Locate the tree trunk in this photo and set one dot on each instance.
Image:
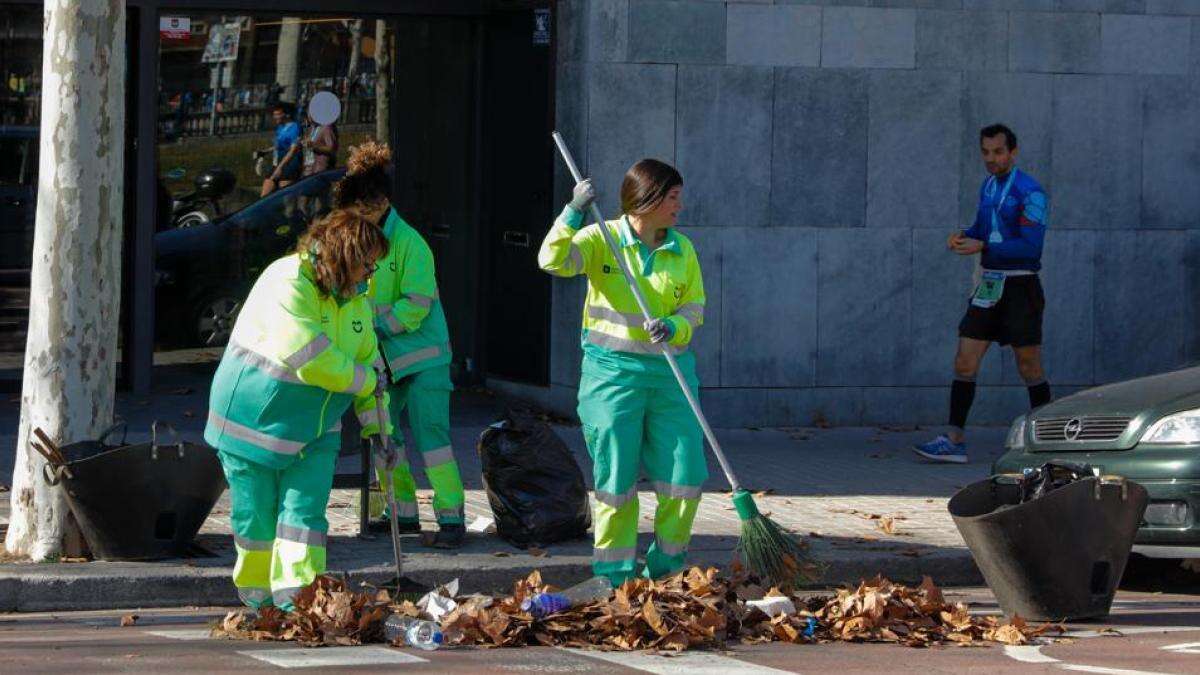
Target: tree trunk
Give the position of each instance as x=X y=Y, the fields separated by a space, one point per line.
x=383 y=80
x=287 y=59
x=356 y=35
x=70 y=355
x=249 y=44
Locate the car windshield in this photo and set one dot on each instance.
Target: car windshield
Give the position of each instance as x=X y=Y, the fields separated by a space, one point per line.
x=295 y=205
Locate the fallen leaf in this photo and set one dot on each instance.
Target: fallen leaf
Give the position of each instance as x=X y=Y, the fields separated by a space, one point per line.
x=501 y=554
x=128 y=620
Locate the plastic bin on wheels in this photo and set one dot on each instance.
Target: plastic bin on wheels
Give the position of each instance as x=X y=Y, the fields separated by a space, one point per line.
x=1057 y=557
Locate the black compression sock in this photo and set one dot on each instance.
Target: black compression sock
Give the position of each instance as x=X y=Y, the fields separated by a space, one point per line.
x=1039 y=394
x=962 y=395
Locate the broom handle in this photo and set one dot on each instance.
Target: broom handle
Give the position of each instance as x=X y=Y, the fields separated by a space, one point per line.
x=641 y=301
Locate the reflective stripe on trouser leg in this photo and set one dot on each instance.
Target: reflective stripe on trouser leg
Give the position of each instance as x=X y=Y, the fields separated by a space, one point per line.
x=253 y=508
x=403 y=486
x=405 y=490
x=300 y=533
x=428 y=402
x=674 y=459
x=615 y=552
x=672 y=531
x=612 y=417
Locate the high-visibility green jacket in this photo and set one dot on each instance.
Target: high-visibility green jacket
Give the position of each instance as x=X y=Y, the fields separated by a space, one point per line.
x=296 y=361
x=614 y=341
x=408 y=311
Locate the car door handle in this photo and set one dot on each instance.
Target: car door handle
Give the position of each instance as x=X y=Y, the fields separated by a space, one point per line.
x=516 y=238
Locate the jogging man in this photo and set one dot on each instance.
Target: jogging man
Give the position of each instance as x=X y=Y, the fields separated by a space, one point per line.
x=1006 y=306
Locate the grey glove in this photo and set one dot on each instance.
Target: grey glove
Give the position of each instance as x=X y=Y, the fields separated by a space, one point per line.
x=386 y=455
x=659 y=330
x=583 y=195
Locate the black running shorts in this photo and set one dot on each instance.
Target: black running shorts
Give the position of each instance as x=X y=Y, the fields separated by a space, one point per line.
x=1015 y=319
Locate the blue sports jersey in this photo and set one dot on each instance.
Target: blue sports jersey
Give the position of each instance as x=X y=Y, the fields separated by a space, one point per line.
x=287 y=135
x=1014 y=232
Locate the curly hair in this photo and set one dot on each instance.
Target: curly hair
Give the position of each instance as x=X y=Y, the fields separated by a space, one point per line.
x=366 y=178
x=339 y=244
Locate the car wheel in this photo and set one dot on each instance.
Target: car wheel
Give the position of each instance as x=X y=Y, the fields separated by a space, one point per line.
x=192 y=219
x=214 y=320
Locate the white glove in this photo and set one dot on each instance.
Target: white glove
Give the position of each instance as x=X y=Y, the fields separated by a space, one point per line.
x=659 y=330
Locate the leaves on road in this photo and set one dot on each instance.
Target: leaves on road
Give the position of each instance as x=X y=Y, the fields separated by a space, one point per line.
x=696 y=608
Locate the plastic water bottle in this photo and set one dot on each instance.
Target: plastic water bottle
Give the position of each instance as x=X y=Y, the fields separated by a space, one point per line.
x=418 y=633
x=543 y=604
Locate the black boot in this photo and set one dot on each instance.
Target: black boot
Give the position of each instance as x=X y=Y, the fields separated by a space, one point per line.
x=450 y=536
x=384 y=526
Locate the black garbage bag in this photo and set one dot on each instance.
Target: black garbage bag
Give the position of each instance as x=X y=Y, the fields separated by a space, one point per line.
x=1051 y=476
x=533 y=483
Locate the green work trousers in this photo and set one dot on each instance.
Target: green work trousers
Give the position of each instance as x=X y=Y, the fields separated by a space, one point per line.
x=632 y=429
x=425 y=396
x=279 y=526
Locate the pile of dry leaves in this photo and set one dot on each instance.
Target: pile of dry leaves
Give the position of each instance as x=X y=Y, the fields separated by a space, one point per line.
x=684 y=611
x=697 y=608
x=881 y=611
x=327 y=613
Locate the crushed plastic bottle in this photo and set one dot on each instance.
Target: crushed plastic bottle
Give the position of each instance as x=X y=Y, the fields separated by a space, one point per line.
x=418 y=633
x=545 y=604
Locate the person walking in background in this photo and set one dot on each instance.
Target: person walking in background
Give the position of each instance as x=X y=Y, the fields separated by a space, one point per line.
x=286 y=150
x=1007 y=304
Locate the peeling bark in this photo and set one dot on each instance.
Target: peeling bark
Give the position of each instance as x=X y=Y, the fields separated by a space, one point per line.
x=383 y=80
x=70 y=364
x=287 y=59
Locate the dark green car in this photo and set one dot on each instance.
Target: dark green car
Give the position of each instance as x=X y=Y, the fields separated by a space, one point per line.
x=1147 y=430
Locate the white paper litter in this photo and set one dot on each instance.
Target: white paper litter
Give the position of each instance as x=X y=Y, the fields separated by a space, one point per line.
x=440 y=601
x=773 y=606
x=482 y=524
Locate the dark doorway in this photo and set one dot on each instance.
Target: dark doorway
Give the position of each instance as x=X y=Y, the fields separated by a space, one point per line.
x=518 y=176
x=434 y=141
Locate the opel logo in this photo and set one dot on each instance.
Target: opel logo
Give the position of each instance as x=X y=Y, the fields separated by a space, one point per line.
x=1071 y=431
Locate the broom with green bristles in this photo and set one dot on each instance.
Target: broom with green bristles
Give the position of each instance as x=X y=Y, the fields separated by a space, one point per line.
x=768 y=550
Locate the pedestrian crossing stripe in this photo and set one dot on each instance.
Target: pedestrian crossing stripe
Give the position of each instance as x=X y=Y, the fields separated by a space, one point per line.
x=686 y=663
x=332 y=657
x=182 y=633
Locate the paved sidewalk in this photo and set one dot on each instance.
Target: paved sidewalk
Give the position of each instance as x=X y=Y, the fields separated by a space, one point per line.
x=838 y=486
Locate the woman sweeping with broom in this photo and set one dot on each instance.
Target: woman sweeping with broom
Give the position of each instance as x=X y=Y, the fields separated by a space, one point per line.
x=634 y=414
x=640 y=270
x=302 y=351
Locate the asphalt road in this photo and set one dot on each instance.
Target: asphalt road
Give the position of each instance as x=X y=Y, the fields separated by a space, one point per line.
x=1147 y=633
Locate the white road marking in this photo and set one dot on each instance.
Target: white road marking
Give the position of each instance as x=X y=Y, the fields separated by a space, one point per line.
x=332 y=657
x=78 y=637
x=1185 y=648
x=1028 y=654
x=1130 y=630
x=182 y=633
x=687 y=663
x=1108 y=671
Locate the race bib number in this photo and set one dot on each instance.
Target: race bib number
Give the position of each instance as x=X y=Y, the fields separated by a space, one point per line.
x=989 y=290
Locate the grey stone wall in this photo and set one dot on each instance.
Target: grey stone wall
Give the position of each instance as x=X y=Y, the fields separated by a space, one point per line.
x=828 y=147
